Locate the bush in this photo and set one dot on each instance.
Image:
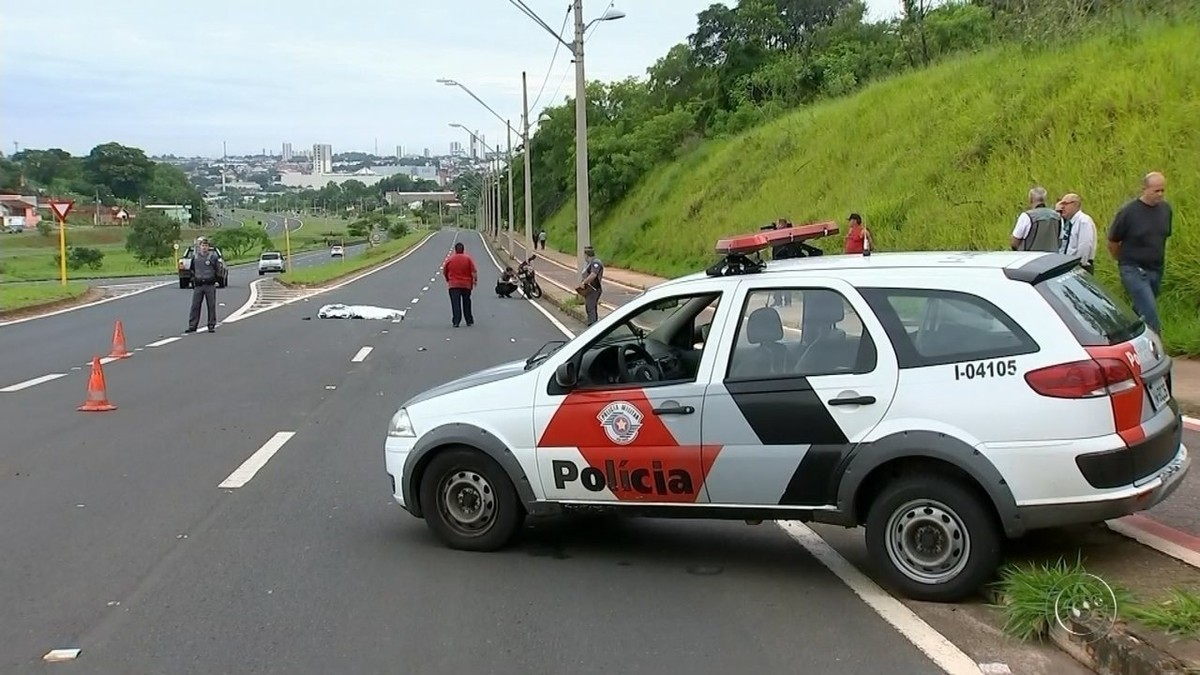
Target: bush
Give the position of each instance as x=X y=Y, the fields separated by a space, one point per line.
x=80 y=257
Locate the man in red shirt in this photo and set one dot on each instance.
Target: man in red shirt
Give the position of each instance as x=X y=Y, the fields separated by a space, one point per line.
x=857 y=235
x=461 y=277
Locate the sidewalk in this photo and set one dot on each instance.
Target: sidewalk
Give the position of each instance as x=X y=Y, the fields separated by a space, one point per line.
x=1172 y=527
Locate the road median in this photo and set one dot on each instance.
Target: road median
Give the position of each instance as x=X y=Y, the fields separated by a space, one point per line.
x=22 y=300
x=319 y=276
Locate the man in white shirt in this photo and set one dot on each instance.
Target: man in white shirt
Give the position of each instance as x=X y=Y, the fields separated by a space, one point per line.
x=1078 y=232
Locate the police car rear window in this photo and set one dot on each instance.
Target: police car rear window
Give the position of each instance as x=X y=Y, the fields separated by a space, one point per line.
x=1090 y=312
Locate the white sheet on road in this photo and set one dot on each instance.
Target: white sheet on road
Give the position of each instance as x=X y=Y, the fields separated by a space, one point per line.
x=339 y=311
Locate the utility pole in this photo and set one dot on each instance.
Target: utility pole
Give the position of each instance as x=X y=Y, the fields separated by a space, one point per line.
x=528 y=175
x=582 y=221
x=511 y=217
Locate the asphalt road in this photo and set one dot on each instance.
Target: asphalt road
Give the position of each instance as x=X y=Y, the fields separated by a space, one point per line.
x=118 y=541
x=56 y=344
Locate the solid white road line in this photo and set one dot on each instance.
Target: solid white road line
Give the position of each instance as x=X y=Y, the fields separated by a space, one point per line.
x=244 y=312
x=90 y=304
x=32 y=383
x=924 y=637
x=258 y=460
x=164 y=341
x=536 y=305
x=361 y=355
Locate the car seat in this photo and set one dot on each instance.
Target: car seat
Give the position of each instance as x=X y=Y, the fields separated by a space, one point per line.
x=829 y=349
x=769 y=356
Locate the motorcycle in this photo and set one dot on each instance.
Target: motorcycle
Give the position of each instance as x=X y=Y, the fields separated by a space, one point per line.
x=528 y=279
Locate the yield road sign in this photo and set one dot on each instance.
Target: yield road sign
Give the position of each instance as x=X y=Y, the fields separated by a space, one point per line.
x=61 y=209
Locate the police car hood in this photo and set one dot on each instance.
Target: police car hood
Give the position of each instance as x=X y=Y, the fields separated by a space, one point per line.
x=503 y=371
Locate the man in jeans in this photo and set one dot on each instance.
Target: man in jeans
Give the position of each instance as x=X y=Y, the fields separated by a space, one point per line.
x=461 y=276
x=205 y=266
x=1137 y=239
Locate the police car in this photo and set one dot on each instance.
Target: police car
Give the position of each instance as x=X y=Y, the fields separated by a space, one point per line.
x=945 y=401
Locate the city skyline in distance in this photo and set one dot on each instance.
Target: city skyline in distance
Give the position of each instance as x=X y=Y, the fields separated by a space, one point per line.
x=261 y=80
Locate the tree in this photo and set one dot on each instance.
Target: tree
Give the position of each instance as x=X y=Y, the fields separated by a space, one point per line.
x=126 y=171
x=151 y=237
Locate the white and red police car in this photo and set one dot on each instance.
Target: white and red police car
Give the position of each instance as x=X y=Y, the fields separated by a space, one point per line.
x=945 y=401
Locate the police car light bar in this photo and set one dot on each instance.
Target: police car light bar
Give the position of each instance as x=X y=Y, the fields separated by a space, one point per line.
x=751 y=243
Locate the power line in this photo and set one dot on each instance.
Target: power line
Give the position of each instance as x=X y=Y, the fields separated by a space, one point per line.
x=553 y=58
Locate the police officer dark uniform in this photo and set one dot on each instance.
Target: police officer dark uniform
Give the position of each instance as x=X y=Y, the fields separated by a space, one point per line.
x=206 y=265
x=590 y=284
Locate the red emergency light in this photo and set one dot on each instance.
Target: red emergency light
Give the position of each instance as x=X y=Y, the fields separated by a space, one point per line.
x=744 y=244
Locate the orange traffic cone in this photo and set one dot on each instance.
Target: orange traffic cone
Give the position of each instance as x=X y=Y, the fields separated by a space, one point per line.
x=118 y=348
x=97 y=391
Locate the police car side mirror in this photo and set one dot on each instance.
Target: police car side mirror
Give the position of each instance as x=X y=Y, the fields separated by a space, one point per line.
x=566 y=375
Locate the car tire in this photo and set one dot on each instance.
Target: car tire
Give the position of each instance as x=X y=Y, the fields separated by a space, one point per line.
x=944 y=509
x=260 y=273
x=477 y=480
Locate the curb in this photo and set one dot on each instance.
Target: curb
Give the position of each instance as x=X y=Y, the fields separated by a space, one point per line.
x=1119 y=649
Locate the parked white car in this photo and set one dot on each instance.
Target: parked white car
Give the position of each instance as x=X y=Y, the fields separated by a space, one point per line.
x=945 y=401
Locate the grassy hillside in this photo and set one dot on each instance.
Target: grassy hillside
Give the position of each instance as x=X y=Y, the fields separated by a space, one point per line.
x=943 y=159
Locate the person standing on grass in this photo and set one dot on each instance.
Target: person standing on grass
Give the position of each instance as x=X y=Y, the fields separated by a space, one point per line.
x=1137 y=239
x=1038 y=228
x=1079 y=232
x=858 y=236
x=461 y=276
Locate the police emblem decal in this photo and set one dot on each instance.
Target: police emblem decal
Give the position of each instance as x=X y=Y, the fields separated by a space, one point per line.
x=621 y=421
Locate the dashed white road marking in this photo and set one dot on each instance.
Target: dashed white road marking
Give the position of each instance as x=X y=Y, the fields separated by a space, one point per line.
x=924 y=637
x=258 y=460
x=361 y=355
x=164 y=341
x=415 y=300
x=32 y=383
x=424 y=288
x=58 y=655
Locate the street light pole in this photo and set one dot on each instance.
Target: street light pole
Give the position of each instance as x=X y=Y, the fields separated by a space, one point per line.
x=528 y=177
x=583 y=224
x=510 y=186
x=499 y=207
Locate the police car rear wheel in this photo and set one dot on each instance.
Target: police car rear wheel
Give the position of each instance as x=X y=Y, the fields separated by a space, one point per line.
x=934 y=539
x=469 y=501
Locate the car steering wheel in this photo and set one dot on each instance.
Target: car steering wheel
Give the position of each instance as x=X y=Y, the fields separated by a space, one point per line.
x=645 y=369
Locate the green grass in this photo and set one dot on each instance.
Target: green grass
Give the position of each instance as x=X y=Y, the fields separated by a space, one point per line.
x=1031 y=597
x=22 y=296
x=30 y=256
x=326 y=272
x=943 y=159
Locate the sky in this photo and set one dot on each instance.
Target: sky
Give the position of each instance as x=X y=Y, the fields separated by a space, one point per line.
x=184 y=76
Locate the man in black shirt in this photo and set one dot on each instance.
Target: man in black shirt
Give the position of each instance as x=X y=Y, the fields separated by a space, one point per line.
x=1137 y=239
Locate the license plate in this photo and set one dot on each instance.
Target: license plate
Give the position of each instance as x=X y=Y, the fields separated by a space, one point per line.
x=1158 y=393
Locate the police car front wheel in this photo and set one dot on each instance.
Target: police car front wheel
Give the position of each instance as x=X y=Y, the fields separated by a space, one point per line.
x=933 y=538
x=469 y=501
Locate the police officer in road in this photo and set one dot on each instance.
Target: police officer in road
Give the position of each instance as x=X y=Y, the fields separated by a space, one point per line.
x=206 y=265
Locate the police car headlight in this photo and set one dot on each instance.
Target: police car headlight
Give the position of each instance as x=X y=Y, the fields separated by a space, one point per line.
x=401 y=426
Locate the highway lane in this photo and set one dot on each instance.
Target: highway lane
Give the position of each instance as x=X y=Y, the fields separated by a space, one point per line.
x=56 y=344
x=310 y=567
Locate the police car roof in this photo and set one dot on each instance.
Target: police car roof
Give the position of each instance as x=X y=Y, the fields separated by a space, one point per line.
x=1028 y=266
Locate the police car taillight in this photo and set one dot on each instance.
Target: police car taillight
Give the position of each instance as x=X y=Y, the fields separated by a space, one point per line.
x=1090 y=378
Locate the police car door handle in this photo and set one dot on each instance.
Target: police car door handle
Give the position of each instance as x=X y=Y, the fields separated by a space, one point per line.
x=675 y=410
x=853 y=400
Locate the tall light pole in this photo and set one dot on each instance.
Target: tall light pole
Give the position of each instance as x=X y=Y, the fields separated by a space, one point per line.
x=511 y=217
x=528 y=184
x=583 y=227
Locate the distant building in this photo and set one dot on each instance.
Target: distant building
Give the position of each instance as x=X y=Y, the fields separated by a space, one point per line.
x=19 y=212
x=286 y=155
x=322 y=159
x=399 y=151
x=456 y=149
x=179 y=212
x=394 y=198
